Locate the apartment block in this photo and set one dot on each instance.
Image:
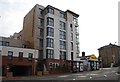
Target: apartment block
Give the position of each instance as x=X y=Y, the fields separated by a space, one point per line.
x=55 y=34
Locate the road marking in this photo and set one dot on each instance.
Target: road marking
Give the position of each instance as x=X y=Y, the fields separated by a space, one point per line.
x=82 y=76
x=64 y=76
x=90 y=77
x=73 y=79
x=105 y=75
x=93 y=74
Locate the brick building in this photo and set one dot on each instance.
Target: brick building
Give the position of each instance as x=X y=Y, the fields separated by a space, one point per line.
x=110 y=54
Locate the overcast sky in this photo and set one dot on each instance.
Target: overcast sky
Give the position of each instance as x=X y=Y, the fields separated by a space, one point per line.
x=98 y=20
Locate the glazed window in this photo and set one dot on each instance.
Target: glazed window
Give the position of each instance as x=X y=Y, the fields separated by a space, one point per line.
x=62 y=14
x=20 y=55
x=50 y=10
x=50 y=21
x=49 y=53
x=62 y=25
x=30 y=56
x=50 y=31
x=10 y=54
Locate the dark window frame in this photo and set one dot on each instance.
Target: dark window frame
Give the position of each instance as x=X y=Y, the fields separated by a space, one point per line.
x=10 y=55
x=30 y=56
x=50 y=21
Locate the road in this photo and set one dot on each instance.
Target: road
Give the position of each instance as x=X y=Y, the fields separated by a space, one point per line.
x=105 y=74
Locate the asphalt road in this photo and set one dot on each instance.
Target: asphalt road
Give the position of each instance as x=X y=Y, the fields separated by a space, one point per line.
x=105 y=74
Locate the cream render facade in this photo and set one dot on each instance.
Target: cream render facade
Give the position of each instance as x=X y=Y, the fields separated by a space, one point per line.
x=15 y=50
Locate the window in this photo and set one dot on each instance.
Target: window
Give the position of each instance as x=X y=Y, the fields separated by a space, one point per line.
x=50 y=21
x=0 y=53
x=62 y=55
x=20 y=55
x=72 y=36
x=50 y=10
x=10 y=54
x=40 y=43
x=40 y=32
x=30 y=56
x=50 y=31
x=40 y=12
x=71 y=55
x=2 y=43
x=71 y=45
x=75 y=19
x=62 y=35
x=62 y=45
x=62 y=14
x=40 y=22
x=50 y=42
x=71 y=27
x=62 y=25
x=49 y=53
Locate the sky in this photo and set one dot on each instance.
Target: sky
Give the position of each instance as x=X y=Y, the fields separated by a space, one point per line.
x=98 y=20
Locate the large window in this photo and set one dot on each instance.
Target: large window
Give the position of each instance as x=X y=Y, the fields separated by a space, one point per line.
x=50 y=42
x=50 y=21
x=50 y=10
x=62 y=45
x=62 y=14
x=40 y=32
x=30 y=56
x=10 y=54
x=49 y=53
x=40 y=43
x=62 y=35
x=62 y=25
x=20 y=55
x=3 y=43
x=50 y=31
x=40 y=21
x=40 y=12
x=62 y=55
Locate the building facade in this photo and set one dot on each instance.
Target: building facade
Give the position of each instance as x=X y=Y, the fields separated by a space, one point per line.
x=55 y=34
x=16 y=59
x=109 y=55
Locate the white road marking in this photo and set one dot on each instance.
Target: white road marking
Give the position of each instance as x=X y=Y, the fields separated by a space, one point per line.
x=92 y=74
x=64 y=76
x=105 y=75
x=73 y=79
x=77 y=74
x=82 y=76
x=90 y=77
